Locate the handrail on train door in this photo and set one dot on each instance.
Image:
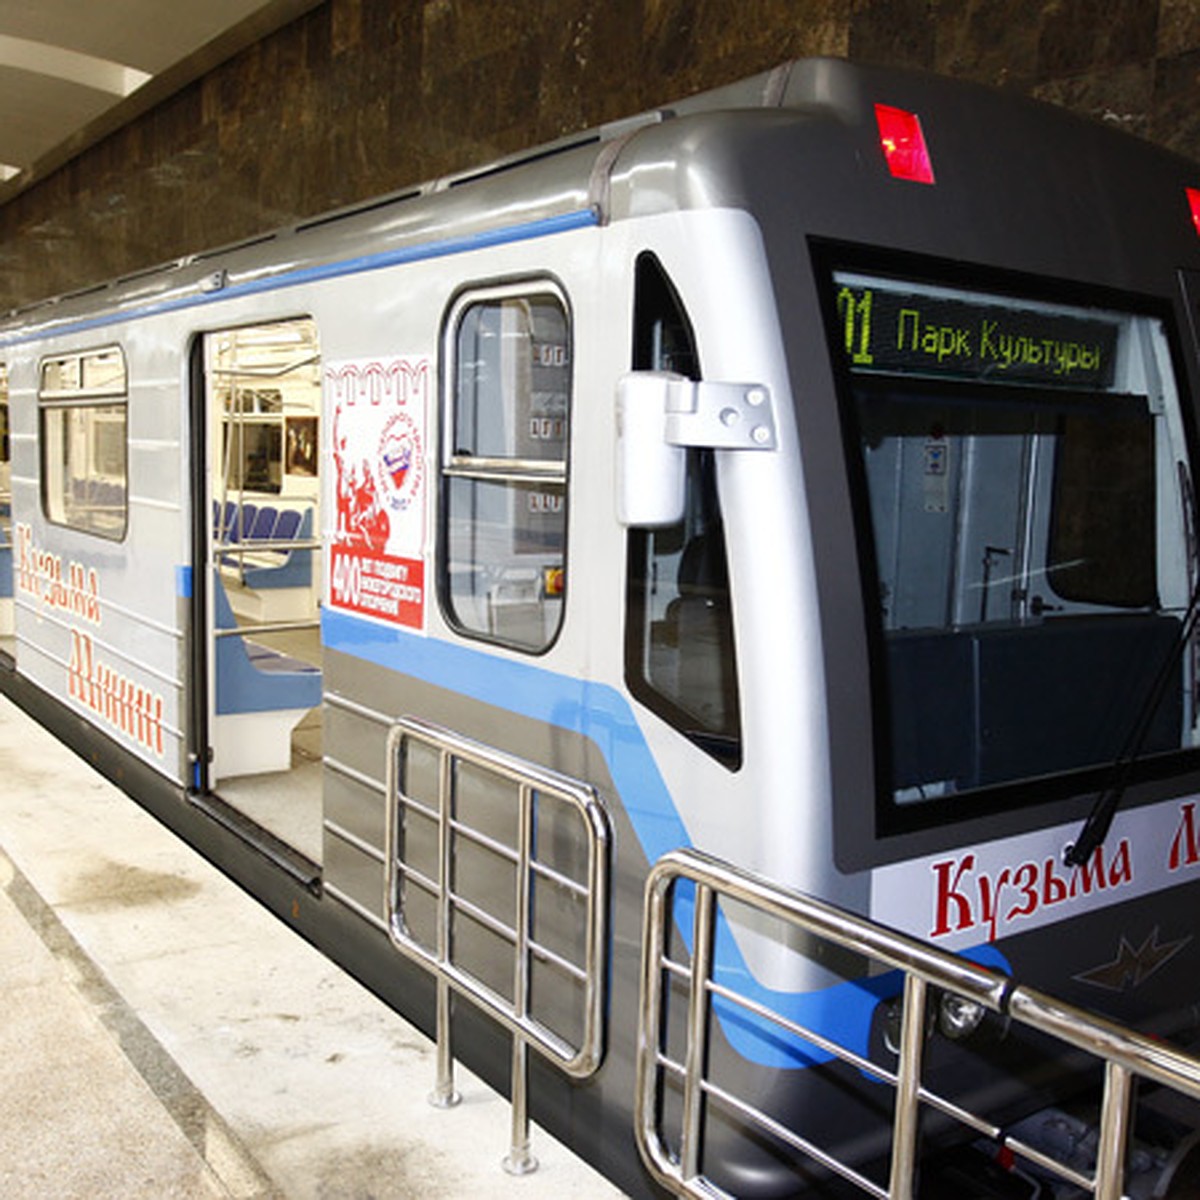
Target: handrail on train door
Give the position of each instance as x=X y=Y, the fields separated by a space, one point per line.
x=1125 y=1054
x=532 y=784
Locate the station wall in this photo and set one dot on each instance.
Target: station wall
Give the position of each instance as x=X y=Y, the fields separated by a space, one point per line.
x=360 y=97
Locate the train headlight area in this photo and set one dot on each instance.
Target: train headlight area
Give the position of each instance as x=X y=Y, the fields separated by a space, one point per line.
x=954 y=1017
x=959 y=1017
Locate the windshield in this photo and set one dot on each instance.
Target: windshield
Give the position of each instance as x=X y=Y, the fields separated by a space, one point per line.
x=1023 y=474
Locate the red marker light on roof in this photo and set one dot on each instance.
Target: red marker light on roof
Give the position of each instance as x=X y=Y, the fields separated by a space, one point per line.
x=904 y=144
x=1193 y=195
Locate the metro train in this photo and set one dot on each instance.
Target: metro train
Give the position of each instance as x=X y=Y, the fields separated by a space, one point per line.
x=800 y=474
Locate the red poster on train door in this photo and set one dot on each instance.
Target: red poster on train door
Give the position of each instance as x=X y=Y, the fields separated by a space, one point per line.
x=378 y=411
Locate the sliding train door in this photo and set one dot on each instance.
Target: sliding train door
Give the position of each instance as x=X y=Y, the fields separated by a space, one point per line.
x=258 y=567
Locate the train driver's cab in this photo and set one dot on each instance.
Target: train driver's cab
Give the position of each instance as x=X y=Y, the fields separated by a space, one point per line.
x=1023 y=485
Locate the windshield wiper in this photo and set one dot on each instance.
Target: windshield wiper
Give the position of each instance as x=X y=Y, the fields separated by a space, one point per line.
x=1099 y=821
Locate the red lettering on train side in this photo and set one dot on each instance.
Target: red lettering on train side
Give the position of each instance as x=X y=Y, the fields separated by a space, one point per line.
x=1185 y=850
x=966 y=898
x=40 y=574
x=948 y=892
x=119 y=702
x=1054 y=889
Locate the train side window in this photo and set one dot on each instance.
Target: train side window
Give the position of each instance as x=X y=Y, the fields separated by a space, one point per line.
x=504 y=465
x=83 y=441
x=680 y=658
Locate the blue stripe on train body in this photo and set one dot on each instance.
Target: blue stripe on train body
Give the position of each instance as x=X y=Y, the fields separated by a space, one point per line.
x=842 y=1013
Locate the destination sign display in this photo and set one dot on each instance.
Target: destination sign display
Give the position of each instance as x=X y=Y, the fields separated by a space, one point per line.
x=888 y=330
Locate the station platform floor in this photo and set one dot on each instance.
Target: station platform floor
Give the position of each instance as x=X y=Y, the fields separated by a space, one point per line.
x=162 y=1035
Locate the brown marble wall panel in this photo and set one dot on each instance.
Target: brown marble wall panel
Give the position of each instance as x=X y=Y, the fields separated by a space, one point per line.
x=899 y=32
x=360 y=97
x=1175 y=111
x=1082 y=35
x=990 y=43
x=1178 y=26
x=1120 y=95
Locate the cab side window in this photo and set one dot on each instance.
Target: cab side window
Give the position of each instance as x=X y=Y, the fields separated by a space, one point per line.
x=504 y=465
x=680 y=659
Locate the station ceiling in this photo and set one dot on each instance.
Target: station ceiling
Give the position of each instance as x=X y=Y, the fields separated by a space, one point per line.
x=72 y=71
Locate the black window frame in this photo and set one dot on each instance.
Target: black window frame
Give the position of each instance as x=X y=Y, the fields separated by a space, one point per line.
x=894 y=822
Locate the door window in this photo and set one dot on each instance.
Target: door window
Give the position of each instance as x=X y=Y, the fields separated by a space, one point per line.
x=505 y=466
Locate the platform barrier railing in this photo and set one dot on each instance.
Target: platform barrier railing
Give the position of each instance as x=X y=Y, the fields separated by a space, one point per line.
x=1125 y=1055
x=420 y=877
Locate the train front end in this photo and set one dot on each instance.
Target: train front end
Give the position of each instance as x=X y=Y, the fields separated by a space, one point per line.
x=986 y=309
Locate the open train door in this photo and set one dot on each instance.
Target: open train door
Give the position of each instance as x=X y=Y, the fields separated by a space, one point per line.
x=257 y=692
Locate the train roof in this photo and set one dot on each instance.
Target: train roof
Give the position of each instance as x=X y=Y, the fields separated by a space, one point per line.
x=637 y=166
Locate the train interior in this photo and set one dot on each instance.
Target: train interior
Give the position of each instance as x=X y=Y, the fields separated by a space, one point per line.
x=263 y=402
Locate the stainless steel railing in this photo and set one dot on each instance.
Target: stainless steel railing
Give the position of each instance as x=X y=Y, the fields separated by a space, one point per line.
x=1125 y=1055
x=504 y=904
